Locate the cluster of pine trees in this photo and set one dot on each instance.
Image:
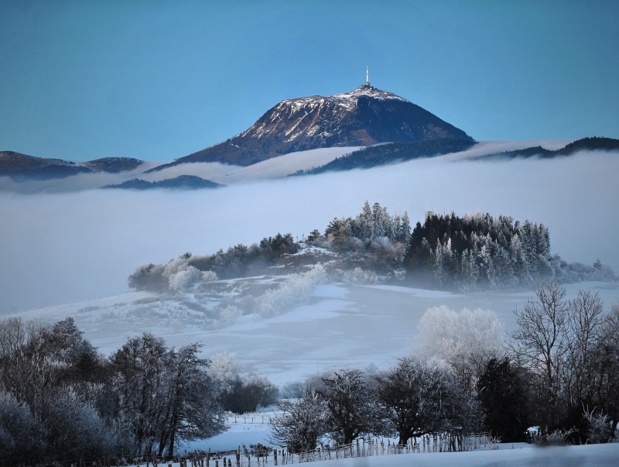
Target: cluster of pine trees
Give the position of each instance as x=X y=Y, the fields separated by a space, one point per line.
x=483 y=252
x=375 y=235
x=478 y=251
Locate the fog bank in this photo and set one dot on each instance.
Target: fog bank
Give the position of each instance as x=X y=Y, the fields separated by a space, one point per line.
x=63 y=247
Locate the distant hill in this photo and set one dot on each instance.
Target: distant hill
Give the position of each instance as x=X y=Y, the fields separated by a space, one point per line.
x=585 y=144
x=22 y=166
x=595 y=143
x=363 y=117
x=383 y=154
x=183 y=182
x=114 y=164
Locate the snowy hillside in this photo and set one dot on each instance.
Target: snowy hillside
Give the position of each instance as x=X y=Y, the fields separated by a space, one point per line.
x=333 y=327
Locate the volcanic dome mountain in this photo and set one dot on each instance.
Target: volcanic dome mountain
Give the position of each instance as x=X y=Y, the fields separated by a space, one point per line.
x=362 y=117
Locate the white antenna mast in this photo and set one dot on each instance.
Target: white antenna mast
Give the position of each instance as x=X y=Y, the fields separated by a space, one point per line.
x=367 y=75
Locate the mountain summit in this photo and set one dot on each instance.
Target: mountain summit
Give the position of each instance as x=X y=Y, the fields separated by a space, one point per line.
x=362 y=117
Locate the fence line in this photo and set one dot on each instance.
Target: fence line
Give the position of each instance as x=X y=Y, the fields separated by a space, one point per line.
x=258 y=455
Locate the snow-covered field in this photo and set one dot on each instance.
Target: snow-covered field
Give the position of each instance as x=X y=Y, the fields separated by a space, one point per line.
x=340 y=326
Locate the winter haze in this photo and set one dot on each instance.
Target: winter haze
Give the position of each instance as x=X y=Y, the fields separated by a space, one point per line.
x=71 y=246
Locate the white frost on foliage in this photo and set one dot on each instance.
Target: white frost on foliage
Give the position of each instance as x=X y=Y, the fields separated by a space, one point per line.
x=295 y=290
x=358 y=276
x=224 y=369
x=182 y=276
x=460 y=335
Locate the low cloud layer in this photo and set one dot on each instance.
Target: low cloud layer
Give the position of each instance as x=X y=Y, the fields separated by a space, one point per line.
x=62 y=247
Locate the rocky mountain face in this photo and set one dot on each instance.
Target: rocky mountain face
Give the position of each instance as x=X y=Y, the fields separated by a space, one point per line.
x=362 y=117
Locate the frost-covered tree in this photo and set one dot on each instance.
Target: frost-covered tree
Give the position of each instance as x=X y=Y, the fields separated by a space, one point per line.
x=139 y=382
x=224 y=370
x=351 y=407
x=464 y=339
x=163 y=395
x=419 y=399
x=13 y=334
x=191 y=408
x=178 y=275
x=585 y=319
x=300 y=423
x=374 y=231
x=22 y=437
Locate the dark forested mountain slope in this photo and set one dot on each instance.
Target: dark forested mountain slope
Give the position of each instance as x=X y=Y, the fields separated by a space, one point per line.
x=383 y=154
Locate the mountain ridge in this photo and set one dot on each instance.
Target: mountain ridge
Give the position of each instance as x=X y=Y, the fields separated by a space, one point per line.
x=22 y=166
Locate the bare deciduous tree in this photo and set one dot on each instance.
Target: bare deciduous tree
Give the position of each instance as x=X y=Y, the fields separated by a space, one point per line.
x=540 y=343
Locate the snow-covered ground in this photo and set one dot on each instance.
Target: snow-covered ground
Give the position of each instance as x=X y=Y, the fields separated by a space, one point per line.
x=253 y=428
x=572 y=456
x=340 y=326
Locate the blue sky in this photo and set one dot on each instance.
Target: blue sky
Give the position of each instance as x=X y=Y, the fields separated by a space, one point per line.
x=158 y=80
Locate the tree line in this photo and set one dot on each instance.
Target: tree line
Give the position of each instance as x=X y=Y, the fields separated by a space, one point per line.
x=483 y=252
x=472 y=252
x=61 y=401
x=555 y=380
x=410 y=400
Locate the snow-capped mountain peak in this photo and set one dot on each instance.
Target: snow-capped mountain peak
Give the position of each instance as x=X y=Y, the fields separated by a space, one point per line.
x=364 y=116
x=366 y=90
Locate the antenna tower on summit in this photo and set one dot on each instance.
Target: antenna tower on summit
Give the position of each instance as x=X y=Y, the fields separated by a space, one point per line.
x=367 y=75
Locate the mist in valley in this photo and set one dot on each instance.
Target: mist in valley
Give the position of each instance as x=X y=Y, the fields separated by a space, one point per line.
x=66 y=247
x=75 y=247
